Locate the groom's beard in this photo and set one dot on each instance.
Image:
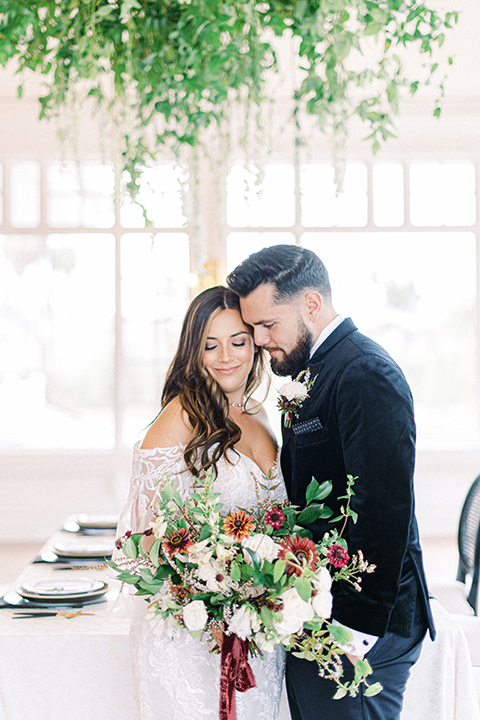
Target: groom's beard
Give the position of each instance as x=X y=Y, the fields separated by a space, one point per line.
x=296 y=360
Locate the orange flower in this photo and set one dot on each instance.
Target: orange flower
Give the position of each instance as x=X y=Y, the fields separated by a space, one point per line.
x=177 y=541
x=238 y=525
x=304 y=550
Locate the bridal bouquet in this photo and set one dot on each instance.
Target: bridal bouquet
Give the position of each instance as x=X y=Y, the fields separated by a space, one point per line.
x=247 y=580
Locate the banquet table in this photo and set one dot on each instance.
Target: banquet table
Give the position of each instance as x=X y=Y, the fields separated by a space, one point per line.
x=53 y=668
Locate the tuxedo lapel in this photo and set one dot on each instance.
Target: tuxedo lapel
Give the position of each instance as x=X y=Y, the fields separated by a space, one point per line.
x=347 y=327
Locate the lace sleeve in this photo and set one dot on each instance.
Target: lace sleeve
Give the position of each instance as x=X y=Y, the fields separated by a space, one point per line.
x=150 y=467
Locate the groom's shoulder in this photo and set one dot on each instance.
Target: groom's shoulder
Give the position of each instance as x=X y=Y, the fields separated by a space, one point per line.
x=354 y=350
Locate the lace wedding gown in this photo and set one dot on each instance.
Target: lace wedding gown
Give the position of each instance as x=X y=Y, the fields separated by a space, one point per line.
x=175 y=676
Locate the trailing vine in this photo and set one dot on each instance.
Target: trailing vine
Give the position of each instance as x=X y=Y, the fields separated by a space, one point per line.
x=166 y=70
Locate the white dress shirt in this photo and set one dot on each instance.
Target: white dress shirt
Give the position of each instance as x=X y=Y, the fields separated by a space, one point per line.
x=361 y=642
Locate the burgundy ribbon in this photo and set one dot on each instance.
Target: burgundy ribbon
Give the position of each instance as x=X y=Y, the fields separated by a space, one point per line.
x=236 y=674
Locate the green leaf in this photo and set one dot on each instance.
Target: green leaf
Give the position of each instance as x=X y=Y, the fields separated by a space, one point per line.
x=312 y=490
x=104 y=10
x=267 y=616
x=309 y=514
x=178 y=499
x=362 y=668
x=373 y=690
x=278 y=570
x=324 y=490
x=341 y=692
x=129 y=579
x=155 y=551
x=304 y=588
x=256 y=559
x=167 y=493
x=205 y=533
x=129 y=548
x=340 y=634
x=235 y=572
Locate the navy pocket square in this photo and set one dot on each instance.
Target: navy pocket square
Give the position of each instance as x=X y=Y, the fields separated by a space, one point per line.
x=306 y=426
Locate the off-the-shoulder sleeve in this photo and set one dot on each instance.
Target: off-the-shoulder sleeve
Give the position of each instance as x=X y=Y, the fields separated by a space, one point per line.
x=151 y=468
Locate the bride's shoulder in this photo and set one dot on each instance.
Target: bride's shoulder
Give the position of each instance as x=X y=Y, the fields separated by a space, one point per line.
x=170 y=428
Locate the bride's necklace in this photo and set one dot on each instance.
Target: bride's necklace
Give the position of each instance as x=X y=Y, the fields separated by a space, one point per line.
x=239 y=405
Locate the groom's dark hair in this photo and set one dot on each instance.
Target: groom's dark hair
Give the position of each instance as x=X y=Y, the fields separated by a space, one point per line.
x=288 y=267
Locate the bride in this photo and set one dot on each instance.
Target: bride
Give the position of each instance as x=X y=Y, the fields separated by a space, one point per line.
x=208 y=418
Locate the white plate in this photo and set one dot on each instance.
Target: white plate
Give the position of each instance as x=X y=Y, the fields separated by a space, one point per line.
x=92 y=548
x=79 y=586
x=100 y=522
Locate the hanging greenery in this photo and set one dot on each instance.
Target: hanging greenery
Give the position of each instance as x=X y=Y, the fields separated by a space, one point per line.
x=166 y=70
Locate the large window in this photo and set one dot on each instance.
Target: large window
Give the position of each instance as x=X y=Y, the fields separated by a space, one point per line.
x=400 y=245
x=91 y=300
x=90 y=303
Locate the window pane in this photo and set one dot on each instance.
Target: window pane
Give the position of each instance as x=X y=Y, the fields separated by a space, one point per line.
x=80 y=195
x=388 y=200
x=25 y=194
x=322 y=207
x=56 y=326
x=161 y=193
x=154 y=299
x=415 y=294
x=261 y=199
x=442 y=194
x=241 y=245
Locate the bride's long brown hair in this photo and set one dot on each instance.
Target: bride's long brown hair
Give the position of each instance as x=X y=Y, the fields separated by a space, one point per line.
x=202 y=398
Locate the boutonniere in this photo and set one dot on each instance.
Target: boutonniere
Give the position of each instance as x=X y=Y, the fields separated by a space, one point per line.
x=293 y=394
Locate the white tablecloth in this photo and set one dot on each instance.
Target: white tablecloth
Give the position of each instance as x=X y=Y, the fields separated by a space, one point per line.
x=58 y=669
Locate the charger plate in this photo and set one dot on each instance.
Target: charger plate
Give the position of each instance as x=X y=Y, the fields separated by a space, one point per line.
x=91 y=549
x=61 y=591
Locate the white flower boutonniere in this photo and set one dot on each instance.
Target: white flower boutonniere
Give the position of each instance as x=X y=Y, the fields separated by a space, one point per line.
x=293 y=394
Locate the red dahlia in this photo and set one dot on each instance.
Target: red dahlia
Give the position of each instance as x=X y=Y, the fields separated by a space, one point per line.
x=338 y=556
x=274 y=517
x=304 y=550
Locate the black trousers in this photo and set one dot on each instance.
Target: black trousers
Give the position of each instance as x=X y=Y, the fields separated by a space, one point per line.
x=311 y=697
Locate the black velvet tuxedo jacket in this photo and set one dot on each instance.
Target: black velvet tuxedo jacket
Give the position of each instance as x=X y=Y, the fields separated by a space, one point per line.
x=363 y=425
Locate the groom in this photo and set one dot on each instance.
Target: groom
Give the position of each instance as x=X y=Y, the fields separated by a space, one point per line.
x=358 y=420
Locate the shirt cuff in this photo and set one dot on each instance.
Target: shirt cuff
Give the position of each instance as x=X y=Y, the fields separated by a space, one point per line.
x=360 y=643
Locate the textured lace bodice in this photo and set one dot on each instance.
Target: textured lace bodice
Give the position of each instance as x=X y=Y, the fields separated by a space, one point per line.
x=176 y=676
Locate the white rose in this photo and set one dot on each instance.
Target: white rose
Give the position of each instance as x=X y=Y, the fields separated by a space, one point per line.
x=294 y=390
x=322 y=579
x=195 y=615
x=261 y=544
x=244 y=622
x=295 y=612
x=322 y=604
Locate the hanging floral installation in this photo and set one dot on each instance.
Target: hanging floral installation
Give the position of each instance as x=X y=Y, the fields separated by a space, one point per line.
x=163 y=71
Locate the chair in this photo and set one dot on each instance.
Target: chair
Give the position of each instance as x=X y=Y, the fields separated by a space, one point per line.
x=469 y=542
